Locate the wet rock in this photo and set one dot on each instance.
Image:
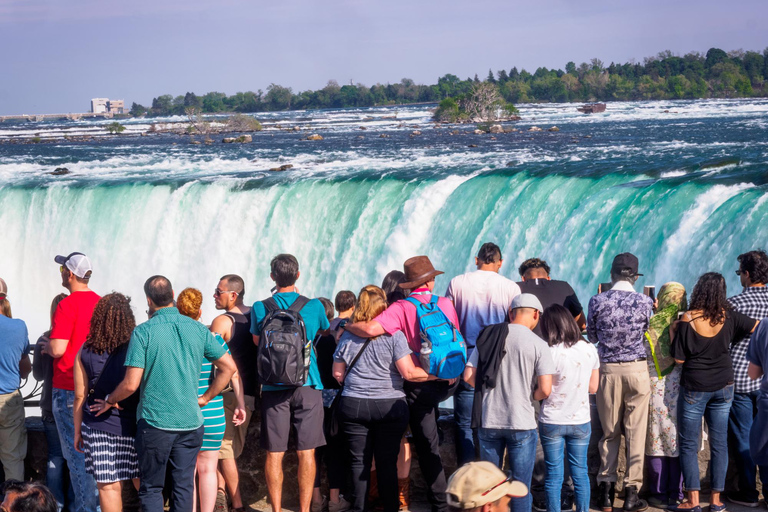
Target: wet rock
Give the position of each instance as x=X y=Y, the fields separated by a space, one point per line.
x=60 y=171
x=511 y=163
x=554 y=129
x=363 y=128
x=496 y=129
x=472 y=145
x=534 y=129
x=228 y=140
x=315 y=136
x=283 y=167
x=479 y=132
x=415 y=132
x=383 y=136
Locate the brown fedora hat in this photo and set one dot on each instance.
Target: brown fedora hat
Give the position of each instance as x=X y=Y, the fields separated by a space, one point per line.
x=418 y=270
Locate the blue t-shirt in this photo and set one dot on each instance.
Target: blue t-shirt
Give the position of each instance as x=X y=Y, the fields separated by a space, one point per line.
x=757 y=354
x=14 y=343
x=315 y=320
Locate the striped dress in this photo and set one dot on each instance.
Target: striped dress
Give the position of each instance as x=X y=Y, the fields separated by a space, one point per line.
x=214 y=420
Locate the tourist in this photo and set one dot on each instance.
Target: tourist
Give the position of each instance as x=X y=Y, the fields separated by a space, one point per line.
x=234 y=326
x=753 y=302
x=291 y=408
x=482 y=487
x=665 y=479
x=373 y=412
x=510 y=365
x=3 y=289
x=564 y=421
x=535 y=279
x=189 y=303
x=27 y=497
x=423 y=398
x=701 y=344
x=482 y=298
x=391 y=286
x=164 y=358
x=106 y=440
x=344 y=304
x=333 y=453
x=42 y=371
x=757 y=355
x=71 y=324
x=617 y=321
x=14 y=366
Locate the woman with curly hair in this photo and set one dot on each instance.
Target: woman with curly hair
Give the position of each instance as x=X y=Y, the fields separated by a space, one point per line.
x=701 y=344
x=189 y=303
x=106 y=440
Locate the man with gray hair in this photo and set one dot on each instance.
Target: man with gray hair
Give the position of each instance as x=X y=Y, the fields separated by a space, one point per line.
x=617 y=322
x=510 y=365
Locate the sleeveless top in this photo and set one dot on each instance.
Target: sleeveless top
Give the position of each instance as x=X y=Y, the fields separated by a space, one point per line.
x=244 y=352
x=115 y=421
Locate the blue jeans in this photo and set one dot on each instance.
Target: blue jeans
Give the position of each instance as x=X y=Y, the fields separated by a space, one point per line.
x=521 y=450
x=84 y=485
x=54 y=475
x=740 y=420
x=575 y=440
x=158 y=449
x=463 y=399
x=714 y=407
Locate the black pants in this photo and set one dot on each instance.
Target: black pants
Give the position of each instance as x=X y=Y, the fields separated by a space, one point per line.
x=156 y=449
x=373 y=427
x=334 y=454
x=423 y=401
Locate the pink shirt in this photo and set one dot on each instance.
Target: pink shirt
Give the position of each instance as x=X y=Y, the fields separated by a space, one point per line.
x=401 y=316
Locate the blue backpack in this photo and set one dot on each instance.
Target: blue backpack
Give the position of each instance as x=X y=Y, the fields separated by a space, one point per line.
x=443 y=351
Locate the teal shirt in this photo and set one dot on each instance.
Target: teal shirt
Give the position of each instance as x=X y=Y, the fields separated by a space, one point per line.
x=170 y=347
x=315 y=320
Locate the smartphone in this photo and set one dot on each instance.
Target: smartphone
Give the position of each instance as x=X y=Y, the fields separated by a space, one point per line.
x=604 y=287
x=650 y=291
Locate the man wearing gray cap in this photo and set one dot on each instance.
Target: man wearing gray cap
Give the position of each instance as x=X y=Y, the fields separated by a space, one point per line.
x=71 y=325
x=509 y=369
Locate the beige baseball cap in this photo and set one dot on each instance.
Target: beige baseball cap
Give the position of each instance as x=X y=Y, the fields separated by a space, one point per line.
x=477 y=483
x=3 y=288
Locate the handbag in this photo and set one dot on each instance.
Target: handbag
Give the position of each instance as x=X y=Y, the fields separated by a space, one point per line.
x=334 y=426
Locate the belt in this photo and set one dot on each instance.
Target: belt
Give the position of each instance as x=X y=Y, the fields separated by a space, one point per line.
x=632 y=361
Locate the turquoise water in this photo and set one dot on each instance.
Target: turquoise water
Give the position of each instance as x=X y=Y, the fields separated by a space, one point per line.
x=685 y=190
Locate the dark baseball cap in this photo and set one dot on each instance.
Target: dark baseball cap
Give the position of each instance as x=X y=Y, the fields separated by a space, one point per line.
x=625 y=260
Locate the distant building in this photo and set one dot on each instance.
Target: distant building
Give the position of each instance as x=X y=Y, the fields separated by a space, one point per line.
x=99 y=105
x=105 y=105
x=116 y=106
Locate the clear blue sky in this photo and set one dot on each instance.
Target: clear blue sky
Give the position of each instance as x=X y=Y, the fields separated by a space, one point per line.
x=57 y=54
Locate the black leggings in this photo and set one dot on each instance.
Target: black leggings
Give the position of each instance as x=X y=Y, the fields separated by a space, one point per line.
x=334 y=453
x=374 y=427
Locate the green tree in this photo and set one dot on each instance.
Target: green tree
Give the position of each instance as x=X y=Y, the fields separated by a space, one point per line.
x=115 y=128
x=278 y=97
x=137 y=110
x=161 y=106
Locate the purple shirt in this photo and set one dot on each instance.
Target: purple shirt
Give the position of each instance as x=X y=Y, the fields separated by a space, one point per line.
x=617 y=322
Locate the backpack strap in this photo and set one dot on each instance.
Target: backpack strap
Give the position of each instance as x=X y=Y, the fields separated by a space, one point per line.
x=299 y=303
x=415 y=303
x=434 y=299
x=270 y=304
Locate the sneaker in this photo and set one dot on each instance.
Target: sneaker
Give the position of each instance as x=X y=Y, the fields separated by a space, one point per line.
x=655 y=502
x=566 y=503
x=319 y=506
x=741 y=499
x=342 y=506
x=221 y=502
x=539 y=505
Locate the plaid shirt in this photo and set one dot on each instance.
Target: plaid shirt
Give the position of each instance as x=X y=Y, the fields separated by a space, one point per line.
x=752 y=302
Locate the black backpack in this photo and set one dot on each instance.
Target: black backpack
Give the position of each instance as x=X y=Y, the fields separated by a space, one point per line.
x=284 y=350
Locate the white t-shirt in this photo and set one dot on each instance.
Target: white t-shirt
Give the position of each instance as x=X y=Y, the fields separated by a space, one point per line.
x=568 y=404
x=482 y=298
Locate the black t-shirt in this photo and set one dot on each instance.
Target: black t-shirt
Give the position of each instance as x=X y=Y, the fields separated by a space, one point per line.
x=325 y=346
x=244 y=352
x=707 y=359
x=552 y=292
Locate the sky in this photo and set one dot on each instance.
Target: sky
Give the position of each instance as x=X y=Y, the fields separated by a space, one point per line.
x=58 y=54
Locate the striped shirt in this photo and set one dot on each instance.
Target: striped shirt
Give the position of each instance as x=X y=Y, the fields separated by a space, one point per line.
x=213 y=413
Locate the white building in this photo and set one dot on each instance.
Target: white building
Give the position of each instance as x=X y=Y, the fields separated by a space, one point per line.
x=99 y=105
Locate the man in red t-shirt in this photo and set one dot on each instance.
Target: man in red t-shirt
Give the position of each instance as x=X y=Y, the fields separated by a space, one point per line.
x=423 y=398
x=71 y=324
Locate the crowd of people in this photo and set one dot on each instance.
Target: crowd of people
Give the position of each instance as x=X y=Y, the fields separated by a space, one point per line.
x=352 y=384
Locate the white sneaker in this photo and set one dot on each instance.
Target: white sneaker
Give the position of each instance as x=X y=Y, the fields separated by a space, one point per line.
x=342 y=506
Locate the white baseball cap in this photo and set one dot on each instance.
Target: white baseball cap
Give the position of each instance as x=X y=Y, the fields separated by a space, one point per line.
x=77 y=263
x=527 y=300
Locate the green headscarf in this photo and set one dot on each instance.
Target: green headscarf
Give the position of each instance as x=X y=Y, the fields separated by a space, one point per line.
x=672 y=300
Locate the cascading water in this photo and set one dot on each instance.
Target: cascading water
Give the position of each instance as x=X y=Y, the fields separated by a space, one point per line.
x=684 y=190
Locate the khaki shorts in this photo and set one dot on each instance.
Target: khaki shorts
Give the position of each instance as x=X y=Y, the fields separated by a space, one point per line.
x=234 y=437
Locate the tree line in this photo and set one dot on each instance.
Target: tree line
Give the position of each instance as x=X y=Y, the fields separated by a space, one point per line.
x=716 y=74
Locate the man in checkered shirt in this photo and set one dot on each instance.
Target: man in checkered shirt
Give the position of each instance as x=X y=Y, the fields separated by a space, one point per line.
x=753 y=302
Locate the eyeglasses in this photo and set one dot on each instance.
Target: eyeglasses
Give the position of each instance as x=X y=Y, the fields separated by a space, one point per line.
x=508 y=479
x=739 y=272
x=218 y=292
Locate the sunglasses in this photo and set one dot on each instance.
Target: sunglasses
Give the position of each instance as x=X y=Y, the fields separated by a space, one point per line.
x=218 y=292
x=63 y=269
x=506 y=480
